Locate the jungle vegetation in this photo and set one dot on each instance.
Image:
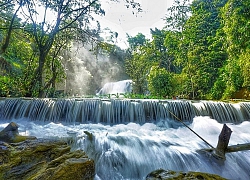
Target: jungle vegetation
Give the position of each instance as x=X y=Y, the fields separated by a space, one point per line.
x=33 y=46
x=203 y=52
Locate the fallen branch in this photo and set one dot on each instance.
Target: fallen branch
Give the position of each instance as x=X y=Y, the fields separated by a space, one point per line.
x=238 y=147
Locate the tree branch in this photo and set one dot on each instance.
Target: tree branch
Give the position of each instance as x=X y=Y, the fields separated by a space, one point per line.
x=5 y=3
x=83 y=11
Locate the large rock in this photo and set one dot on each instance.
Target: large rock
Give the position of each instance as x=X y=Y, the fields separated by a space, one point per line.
x=43 y=159
x=10 y=134
x=162 y=174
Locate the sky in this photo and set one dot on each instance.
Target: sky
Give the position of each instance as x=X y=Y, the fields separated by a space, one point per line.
x=120 y=19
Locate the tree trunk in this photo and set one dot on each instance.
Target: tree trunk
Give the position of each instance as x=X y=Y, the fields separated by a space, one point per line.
x=37 y=83
x=7 y=39
x=42 y=59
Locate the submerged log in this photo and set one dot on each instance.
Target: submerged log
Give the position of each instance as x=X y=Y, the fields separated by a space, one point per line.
x=238 y=147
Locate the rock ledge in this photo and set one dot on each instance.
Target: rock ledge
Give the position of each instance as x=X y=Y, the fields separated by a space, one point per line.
x=43 y=159
x=162 y=174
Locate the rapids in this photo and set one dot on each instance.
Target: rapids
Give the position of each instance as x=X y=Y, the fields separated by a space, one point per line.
x=126 y=146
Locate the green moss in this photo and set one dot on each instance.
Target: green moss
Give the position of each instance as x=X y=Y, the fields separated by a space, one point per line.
x=44 y=159
x=161 y=174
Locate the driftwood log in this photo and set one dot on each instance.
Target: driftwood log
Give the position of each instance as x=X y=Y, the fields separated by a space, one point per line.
x=222 y=146
x=223 y=141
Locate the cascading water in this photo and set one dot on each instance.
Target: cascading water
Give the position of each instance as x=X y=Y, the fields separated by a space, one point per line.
x=131 y=138
x=124 y=86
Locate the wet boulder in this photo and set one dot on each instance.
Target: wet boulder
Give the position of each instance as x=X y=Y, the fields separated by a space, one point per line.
x=162 y=174
x=10 y=134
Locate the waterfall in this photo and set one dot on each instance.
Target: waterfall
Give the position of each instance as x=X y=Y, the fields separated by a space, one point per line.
x=115 y=111
x=132 y=137
x=224 y=112
x=124 y=86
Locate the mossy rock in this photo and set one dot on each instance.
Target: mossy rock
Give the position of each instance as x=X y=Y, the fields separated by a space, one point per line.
x=162 y=174
x=43 y=159
x=10 y=134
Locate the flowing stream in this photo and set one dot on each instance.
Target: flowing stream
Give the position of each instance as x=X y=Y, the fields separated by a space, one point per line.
x=130 y=138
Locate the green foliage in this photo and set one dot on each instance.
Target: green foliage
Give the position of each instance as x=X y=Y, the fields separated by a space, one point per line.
x=177 y=15
x=204 y=57
x=160 y=82
x=161 y=53
x=138 y=40
x=235 y=17
x=206 y=47
x=202 y=53
x=218 y=88
x=244 y=61
x=233 y=78
x=138 y=65
x=31 y=48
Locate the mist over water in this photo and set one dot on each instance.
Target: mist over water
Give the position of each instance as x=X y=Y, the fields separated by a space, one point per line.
x=118 y=87
x=131 y=151
x=88 y=69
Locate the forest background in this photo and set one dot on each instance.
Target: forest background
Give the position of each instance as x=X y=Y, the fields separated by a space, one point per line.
x=203 y=52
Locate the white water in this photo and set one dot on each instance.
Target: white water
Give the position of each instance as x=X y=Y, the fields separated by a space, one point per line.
x=124 y=86
x=132 y=151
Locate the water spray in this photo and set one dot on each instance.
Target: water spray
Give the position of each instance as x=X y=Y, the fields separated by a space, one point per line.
x=190 y=129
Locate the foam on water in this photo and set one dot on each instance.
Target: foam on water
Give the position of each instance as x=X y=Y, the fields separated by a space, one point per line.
x=131 y=151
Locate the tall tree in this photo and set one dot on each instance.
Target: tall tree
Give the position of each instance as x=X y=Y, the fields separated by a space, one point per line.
x=177 y=15
x=137 y=64
x=73 y=15
x=136 y=41
x=10 y=22
x=236 y=21
x=160 y=82
x=204 y=58
x=68 y=15
x=177 y=46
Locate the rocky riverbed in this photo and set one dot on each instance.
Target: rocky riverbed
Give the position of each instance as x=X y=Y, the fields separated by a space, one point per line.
x=24 y=157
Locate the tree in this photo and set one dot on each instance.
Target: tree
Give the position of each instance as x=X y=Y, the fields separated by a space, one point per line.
x=244 y=61
x=160 y=82
x=161 y=53
x=137 y=67
x=15 y=50
x=137 y=64
x=204 y=55
x=177 y=15
x=136 y=41
x=10 y=22
x=175 y=43
x=69 y=15
x=145 y=55
x=236 y=21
